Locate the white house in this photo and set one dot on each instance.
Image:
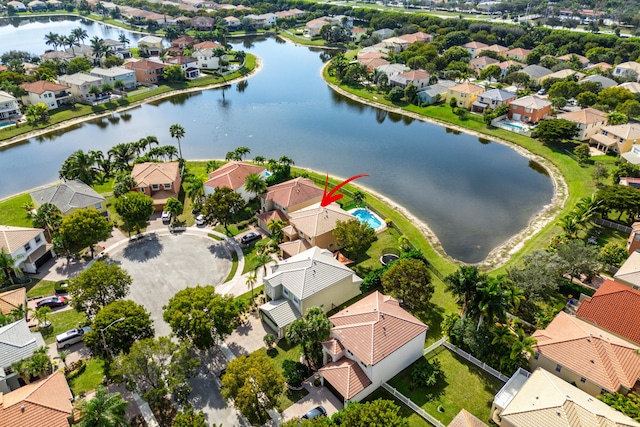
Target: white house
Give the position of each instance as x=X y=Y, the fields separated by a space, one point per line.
x=371 y=341
x=112 y=75
x=261 y=21
x=313 y=278
x=233 y=175
x=51 y=94
x=17 y=342
x=80 y=84
x=27 y=246
x=206 y=58
x=9 y=107
x=627 y=69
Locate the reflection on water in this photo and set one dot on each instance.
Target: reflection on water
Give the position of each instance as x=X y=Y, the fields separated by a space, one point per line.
x=242 y=86
x=538 y=168
x=484 y=141
x=453 y=131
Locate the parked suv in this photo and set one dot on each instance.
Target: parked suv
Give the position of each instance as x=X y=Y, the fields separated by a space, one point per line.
x=166 y=217
x=71 y=337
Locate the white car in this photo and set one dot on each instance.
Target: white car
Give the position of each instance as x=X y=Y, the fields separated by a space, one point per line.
x=166 y=217
x=200 y=219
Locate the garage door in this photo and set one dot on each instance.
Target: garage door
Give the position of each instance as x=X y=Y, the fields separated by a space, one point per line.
x=44 y=258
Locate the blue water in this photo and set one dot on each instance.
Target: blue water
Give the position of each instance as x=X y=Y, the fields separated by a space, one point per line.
x=367 y=217
x=7 y=124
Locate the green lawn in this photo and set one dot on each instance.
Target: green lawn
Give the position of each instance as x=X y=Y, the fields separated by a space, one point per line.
x=13 y=213
x=60 y=322
x=89 y=379
x=40 y=288
x=465 y=386
x=234 y=266
x=250 y=255
x=369 y=260
x=289 y=397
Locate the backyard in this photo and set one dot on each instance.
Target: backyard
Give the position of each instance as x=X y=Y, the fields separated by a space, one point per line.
x=465 y=386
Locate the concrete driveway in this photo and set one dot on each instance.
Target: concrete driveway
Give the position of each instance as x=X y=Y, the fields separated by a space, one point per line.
x=162 y=265
x=318 y=396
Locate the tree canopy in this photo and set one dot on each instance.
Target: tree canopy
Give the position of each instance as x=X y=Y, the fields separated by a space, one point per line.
x=82 y=228
x=410 y=281
x=309 y=330
x=556 y=130
x=221 y=206
x=100 y=284
x=353 y=235
x=134 y=208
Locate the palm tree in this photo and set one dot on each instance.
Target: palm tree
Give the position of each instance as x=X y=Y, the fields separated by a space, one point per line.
x=123 y=39
x=464 y=285
x=570 y=226
x=146 y=142
x=259 y=160
x=515 y=296
x=105 y=409
x=242 y=152
x=79 y=34
x=255 y=183
x=232 y=156
x=8 y=266
x=286 y=161
x=48 y=216
x=52 y=39
x=100 y=49
x=41 y=316
x=502 y=334
x=119 y=85
x=62 y=355
x=262 y=261
x=20 y=312
x=240 y=55
x=522 y=345
x=39 y=364
x=617 y=118
x=169 y=151
x=194 y=188
x=69 y=41
x=123 y=154
x=359 y=197
x=212 y=165
x=492 y=302
x=21 y=368
x=275 y=227
x=79 y=165
x=251 y=281
x=177 y=132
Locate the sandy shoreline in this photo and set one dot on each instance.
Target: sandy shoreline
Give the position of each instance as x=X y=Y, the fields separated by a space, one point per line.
x=501 y=254
x=68 y=123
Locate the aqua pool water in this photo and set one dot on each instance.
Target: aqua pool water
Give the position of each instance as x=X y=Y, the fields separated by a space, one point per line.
x=367 y=217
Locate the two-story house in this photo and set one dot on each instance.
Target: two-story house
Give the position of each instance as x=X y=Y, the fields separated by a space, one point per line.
x=233 y=175
x=112 y=75
x=481 y=62
x=465 y=94
x=583 y=354
x=207 y=59
x=371 y=341
x=147 y=72
x=203 y=23
x=80 y=84
x=26 y=246
x=312 y=226
x=589 y=121
x=434 y=93
x=160 y=181
x=231 y=22
x=9 y=107
x=117 y=48
x=529 y=109
x=518 y=54
x=619 y=138
x=419 y=78
x=492 y=99
x=536 y=72
x=50 y=94
x=17 y=342
x=392 y=70
x=313 y=278
x=70 y=196
x=418 y=37
x=264 y=20
x=474 y=48
x=152 y=45
x=187 y=64
x=627 y=69
x=289 y=196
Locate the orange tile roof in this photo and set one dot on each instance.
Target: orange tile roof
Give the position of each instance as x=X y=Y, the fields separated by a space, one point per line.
x=41 y=86
x=590 y=352
x=293 y=192
x=207 y=45
x=149 y=173
x=275 y=215
x=333 y=346
x=346 y=376
x=143 y=64
x=416 y=37
x=585 y=116
x=44 y=403
x=467 y=87
x=316 y=220
x=232 y=175
x=518 y=51
x=475 y=45
x=10 y=300
x=614 y=307
x=375 y=327
x=466 y=419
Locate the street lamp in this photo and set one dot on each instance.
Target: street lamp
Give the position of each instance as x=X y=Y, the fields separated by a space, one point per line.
x=104 y=342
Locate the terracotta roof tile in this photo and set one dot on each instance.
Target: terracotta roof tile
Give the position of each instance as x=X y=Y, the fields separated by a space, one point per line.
x=10 y=300
x=143 y=64
x=614 y=307
x=207 y=45
x=375 y=327
x=275 y=215
x=316 y=220
x=45 y=403
x=232 y=175
x=585 y=116
x=466 y=419
x=467 y=87
x=333 y=346
x=149 y=173
x=293 y=192
x=346 y=376
x=590 y=352
x=41 y=86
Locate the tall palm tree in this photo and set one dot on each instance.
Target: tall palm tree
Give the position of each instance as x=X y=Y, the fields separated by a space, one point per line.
x=169 y=151
x=79 y=34
x=359 y=197
x=242 y=152
x=79 y=165
x=194 y=188
x=8 y=266
x=48 y=217
x=20 y=312
x=62 y=356
x=41 y=315
x=52 y=39
x=177 y=132
x=145 y=143
x=255 y=183
x=286 y=161
x=502 y=334
x=69 y=41
x=39 y=364
x=259 y=160
x=463 y=284
x=123 y=39
x=100 y=49
x=262 y=261
x=123 y=154
x=492 y=302
x=251 y=281
x=275 y=227
x=522 y=345
x=570 y=226
x=104 y=410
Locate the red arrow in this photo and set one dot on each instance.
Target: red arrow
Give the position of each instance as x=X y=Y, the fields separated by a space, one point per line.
x=332 y=197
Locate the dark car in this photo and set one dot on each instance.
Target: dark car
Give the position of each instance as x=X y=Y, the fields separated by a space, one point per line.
x=250 y=237
x=318 y=411
x=52 y=302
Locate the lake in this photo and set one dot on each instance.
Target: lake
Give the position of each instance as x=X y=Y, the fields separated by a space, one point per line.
x=474 y=194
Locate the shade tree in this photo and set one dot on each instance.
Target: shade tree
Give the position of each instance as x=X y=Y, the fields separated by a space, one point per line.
x=97 y=286
x=84 y=228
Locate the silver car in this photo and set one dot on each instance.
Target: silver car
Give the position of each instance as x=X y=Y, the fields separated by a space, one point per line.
x=71 y=337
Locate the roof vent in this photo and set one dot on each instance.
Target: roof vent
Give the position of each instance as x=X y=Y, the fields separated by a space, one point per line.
x=537 y=397
x=558 y=413
x=22 y=408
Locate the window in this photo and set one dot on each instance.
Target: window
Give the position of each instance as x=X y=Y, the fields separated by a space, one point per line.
x=38 y=239
x=167 y=186
x=27 y=247
x=583 y=380
x=558 y=368
x=98 y=206
x=285 y=291
x=536 y=355
x=155 y=186
x=296 y=300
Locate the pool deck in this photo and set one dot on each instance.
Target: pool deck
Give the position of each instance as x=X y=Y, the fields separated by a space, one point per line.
x=383 y=224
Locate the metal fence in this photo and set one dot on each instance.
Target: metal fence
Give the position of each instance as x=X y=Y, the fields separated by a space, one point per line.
x=611 y=224
x=476 y=362
x=418 y=410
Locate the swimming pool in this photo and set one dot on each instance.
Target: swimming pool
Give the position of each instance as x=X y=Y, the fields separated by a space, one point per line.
x=7 y=124
x=514 y=126
x=367 y=217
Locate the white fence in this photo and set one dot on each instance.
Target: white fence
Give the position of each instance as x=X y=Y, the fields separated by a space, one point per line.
x=434 y=345
x=418 y=410
x=476 y=362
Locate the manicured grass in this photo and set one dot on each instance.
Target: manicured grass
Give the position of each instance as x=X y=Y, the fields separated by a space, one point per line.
x=250 y=255
x=465 y=386
x=289 y=397
x=301 y=40
x=405 y=412
x=89 y=379
x=60 y=322
x=283 y=351
x=12 y=211
x=104 y=187
x=246 y=298
x=40 y=288
x=369 y=260
x=234 y=266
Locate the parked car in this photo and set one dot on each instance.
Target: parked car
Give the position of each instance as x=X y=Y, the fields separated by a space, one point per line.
x=250 y=237
x=542 y=92
x=318 y=411
x=71 y=337
x=52 y=302
x=166 y=217
x=200 y=220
